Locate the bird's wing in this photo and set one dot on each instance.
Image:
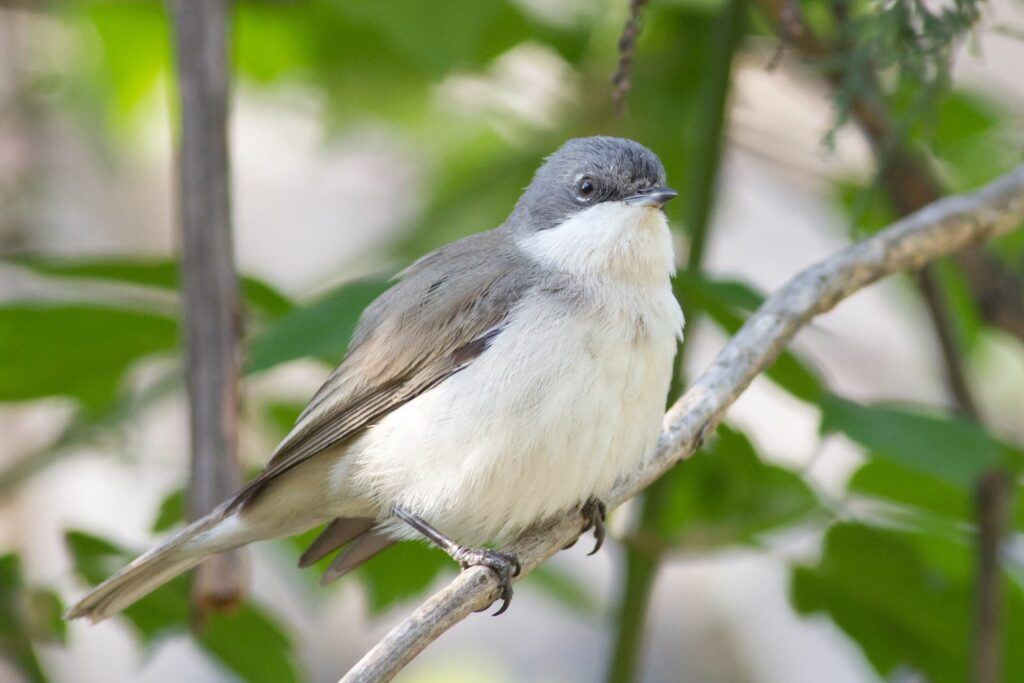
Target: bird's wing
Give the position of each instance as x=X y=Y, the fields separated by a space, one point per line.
x=442 y=314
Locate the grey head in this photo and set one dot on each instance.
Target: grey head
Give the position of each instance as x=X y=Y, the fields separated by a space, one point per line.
x=585 y=172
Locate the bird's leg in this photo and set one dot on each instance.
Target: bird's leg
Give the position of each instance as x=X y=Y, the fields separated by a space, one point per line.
x=504 y=565
x=594 y=512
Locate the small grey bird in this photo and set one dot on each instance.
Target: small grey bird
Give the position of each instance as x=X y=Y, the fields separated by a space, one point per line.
x=508 y=377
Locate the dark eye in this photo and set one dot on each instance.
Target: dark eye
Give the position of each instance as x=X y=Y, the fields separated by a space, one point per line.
x=585 y=187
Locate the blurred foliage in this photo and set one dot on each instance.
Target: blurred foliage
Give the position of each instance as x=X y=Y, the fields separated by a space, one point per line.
x=86 y=361
x=727 y=303
x=320 y=329
x=725 y=495
x=247 y=641
x=953 y=450
x=260 y=298
x=907 y=598
x=897 y=580
x=28 y=616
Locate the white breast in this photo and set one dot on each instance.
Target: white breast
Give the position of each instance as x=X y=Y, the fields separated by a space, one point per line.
x=567 y=399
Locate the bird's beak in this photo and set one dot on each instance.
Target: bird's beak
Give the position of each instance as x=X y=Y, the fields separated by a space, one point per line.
x=654 y=196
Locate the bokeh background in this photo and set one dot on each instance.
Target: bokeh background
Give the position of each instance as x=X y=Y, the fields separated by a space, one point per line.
x=828 y=533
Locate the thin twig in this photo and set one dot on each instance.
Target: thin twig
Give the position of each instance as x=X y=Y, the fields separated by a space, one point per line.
x=992 y=499
x=211 y=300
x=942 y=228
x=949 y=346
x=790 y=26
x=622 y=78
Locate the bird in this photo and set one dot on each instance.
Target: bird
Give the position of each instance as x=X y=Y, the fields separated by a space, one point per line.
x=505 y=378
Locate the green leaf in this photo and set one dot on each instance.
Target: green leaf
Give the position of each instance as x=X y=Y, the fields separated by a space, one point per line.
x=974 y=140
x=401 y=572
x=961 y=118
x=252 y=645
x=282 y=415
x=961 y=303
x=892 y=483
x=365 y=62
x=476 y=32
x=25 y=615
x=866 y=207
x=78 y=351
x=906 y=599
x=162 y=273
x=135 y=49
x=171 y=512
x=45 y=612
x=727 y=303
x=726 y=495
x=949 y=449
x=320 y=329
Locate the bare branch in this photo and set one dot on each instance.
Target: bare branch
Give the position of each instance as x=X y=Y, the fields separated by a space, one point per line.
x=210 y=285
x=942 y=228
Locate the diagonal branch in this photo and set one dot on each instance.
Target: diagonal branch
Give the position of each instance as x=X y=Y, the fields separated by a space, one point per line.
x=942 y=228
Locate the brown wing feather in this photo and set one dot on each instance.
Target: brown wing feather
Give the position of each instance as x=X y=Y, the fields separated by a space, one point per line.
x=417 y=334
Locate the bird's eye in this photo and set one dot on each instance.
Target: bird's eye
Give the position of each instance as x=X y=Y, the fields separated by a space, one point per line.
x=585 y=187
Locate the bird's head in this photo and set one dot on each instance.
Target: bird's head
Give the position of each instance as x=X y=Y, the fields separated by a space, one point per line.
x=594 y=207
x=587 y=172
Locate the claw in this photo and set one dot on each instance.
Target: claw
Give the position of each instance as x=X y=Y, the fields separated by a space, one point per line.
x=504 y=565
x=594 y=512
x=506 y=600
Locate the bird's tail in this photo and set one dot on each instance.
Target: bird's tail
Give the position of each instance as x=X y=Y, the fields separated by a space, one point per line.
x=212 y=534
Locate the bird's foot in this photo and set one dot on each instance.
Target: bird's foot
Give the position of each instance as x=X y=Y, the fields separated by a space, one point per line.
x=594 y=512
x=505 y=565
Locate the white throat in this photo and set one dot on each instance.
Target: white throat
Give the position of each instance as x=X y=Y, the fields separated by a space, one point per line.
x=631 y=243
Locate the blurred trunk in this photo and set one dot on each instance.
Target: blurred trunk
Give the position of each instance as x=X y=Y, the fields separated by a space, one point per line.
x=210 y=285
x=22 y=134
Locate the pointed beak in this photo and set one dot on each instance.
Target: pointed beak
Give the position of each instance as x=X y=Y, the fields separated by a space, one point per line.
x=655 y=196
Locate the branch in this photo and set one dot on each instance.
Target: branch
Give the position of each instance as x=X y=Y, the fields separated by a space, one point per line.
x=942 y=228
x=211 y=297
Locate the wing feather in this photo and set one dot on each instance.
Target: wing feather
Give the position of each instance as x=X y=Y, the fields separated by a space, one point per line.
x=439 y=318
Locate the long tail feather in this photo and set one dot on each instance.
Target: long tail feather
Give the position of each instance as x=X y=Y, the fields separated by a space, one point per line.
x=148 y=572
